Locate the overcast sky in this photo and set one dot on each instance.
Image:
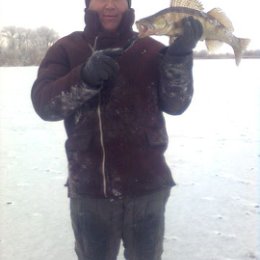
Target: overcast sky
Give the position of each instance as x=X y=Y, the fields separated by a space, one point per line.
x=65 y=16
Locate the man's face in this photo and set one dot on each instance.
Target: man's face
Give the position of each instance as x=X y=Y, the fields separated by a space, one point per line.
x=110 y=12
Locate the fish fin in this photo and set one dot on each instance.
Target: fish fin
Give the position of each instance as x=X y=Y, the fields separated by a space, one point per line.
x=212 y=45
x=239 y=48
x=193 y=4
x=221 y=17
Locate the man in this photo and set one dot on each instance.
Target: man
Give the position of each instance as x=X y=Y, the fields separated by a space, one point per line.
x=111 y=96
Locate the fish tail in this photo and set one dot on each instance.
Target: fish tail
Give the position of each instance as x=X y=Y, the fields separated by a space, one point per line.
x=239 y=48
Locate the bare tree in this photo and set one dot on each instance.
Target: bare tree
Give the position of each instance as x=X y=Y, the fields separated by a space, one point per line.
x=21 y=46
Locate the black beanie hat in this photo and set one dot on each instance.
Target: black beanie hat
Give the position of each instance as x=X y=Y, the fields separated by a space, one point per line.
x=88 y=1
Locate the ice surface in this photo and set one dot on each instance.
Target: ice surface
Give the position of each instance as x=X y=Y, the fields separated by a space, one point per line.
x=214 y=153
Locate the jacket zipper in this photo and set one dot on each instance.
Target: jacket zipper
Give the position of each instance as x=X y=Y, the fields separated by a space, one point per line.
x=103 y=162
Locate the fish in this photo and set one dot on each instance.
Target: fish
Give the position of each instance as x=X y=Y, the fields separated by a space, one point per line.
x=217 y=27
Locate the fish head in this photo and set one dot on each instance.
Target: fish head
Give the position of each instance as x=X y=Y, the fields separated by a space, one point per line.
x=154 y=25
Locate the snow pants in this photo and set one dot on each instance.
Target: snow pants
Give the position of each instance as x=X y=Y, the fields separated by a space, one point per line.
x=99 y=225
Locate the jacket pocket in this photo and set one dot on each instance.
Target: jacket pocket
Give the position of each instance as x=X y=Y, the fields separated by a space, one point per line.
x=157 y=137
x=79 y=143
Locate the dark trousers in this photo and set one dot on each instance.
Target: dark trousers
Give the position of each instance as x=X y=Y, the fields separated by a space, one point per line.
x=100 y=224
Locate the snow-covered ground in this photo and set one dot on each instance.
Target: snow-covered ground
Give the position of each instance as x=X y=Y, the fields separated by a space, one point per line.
x=214 y=152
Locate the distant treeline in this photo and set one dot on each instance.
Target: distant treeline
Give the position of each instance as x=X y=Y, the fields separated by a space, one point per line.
x=251 y=54
x=24 y=47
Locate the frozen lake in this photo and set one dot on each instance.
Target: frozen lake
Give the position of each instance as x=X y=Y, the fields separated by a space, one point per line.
x=214 y=153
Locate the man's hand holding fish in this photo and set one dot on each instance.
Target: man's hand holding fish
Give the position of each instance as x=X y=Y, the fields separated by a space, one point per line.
x=192 y=32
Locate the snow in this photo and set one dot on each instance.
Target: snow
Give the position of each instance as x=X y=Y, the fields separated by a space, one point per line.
x=214 y=153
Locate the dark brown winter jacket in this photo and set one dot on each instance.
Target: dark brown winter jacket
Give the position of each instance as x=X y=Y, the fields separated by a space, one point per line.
x=116 y=134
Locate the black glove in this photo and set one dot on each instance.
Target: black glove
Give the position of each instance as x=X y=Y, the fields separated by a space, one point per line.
x=101 y=66
x=192 y=32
